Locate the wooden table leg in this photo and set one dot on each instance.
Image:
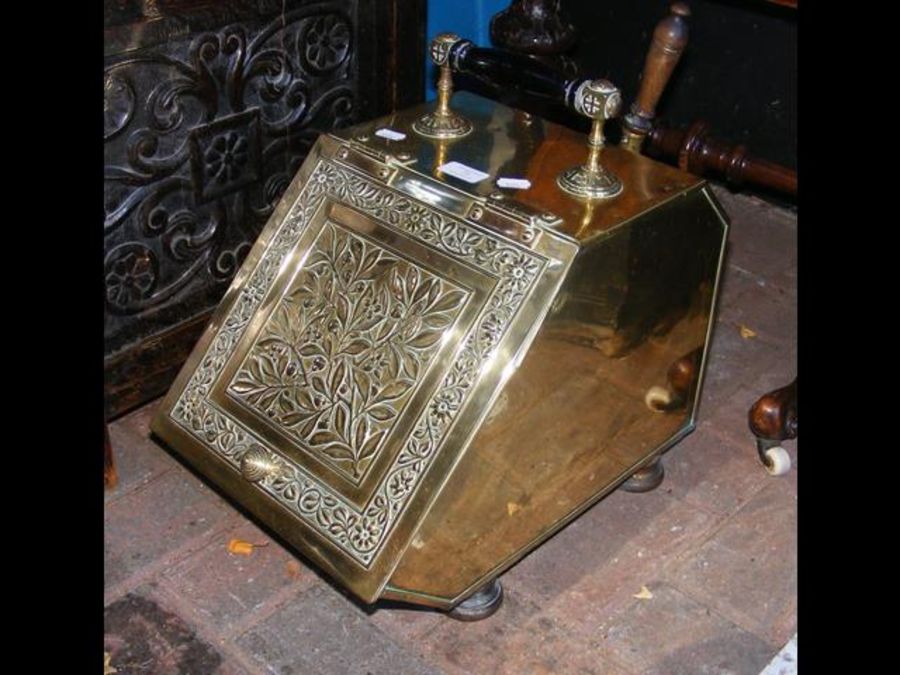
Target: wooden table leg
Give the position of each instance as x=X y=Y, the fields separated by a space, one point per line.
x=773 y=418
x=110 y=478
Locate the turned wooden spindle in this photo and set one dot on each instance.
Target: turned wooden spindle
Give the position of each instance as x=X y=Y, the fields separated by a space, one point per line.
x=698 y=153
x=669 y=40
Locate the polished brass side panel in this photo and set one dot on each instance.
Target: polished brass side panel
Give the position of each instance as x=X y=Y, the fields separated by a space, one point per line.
x=573 y=421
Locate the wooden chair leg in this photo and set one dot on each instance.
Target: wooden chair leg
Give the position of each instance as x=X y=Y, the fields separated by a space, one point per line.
x=110 y=477
x=772 y=419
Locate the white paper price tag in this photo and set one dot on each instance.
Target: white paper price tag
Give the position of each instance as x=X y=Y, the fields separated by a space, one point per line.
x=463 y=172
x=390 y=134
x=514 y=183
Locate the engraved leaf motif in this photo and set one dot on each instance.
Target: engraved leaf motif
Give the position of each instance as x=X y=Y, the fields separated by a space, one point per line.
x=310 y=349
x=324 y=437
x=412 y=279
x=394 y=390
x=370 y=259
x=371 y=445
x=292 y=419
x=448 y=301
x=246 y=386
x=437 y=321
x=376 y=270
x=356 y=347
x=396 y=283
x=362 y=430
x=339 y=451
x=426 y=338
x=382 y=413
x=311 y=424
x=425 y=289
x=342 y=309
x=362 y=382
x=337 y=376
x=341 y=420
x=303 y=398
x=318 y=384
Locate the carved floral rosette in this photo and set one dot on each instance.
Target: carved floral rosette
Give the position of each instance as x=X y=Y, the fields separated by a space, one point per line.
x=361 y=533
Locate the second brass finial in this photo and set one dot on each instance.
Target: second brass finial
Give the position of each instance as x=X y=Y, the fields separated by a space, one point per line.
x=443 y=122
x=600 y=100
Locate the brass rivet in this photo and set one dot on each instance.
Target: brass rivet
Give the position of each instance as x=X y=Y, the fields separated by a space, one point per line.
x=476 y=213
x=404 y=156
x=363 y=138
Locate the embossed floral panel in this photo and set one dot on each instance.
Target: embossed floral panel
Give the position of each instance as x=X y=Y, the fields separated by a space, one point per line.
x=345 y=348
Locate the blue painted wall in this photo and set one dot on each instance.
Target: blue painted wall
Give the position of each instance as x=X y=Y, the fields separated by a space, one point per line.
x=469 y=19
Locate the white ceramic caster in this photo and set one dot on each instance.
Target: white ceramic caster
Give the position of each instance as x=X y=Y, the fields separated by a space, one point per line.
x=657 y=398
x=779 y=461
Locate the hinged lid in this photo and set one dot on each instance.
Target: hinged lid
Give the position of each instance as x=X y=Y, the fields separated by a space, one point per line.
x=359 y=348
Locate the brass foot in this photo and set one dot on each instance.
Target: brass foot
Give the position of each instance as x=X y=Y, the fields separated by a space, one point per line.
x=646 y=478
x=481 y=604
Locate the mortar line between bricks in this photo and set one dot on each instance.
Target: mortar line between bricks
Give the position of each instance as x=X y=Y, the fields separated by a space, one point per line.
x=239 y=656
x=610 y=655
x=170 y=559
x=713 y=612
x=740 y=619
x=134 y=489
x=719 y=520
x=708 y=535
x=720 y=436
x=204 y=628
x=269 y=606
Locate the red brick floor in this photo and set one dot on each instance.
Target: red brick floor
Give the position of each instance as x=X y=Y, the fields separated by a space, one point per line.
x=715 y=545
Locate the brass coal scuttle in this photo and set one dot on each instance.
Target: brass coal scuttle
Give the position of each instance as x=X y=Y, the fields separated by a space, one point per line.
x=461 y=327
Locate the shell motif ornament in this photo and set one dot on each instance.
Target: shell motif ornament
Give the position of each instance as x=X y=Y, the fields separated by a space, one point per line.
x=257 y=464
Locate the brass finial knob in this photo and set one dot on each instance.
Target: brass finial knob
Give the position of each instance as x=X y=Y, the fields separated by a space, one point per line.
x=600 y=100
x=443 y=122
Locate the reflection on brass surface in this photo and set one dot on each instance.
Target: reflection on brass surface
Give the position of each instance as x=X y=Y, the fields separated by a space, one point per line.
x=415 y=380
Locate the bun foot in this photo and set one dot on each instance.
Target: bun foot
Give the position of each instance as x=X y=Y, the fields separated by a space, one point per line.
x=481 y=604
x=646 y=478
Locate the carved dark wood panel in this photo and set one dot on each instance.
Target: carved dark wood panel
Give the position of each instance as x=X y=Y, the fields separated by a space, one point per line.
x=209 y=110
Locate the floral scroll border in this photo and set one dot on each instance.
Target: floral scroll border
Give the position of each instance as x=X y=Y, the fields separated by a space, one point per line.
x=361 y=534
